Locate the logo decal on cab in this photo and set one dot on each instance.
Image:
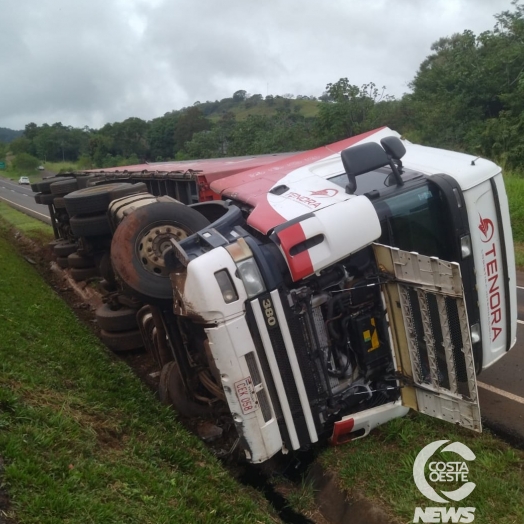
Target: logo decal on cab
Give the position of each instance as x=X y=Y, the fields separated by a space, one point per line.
x=325 y=192
x=486 y=228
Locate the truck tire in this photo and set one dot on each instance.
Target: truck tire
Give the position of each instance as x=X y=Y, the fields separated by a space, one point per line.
x=116 y=320
x=172 y=391
x=96 y=199
x=62 y=262
x=90 y=226
x=78 y=262
x=123 y=340
x=46 y=199
x=141 y=238
x=63 y=249
x=63 y=187
x=59 y=202
x=45 y=185
x=84 y=274
x=83 y=181
x=37 y=198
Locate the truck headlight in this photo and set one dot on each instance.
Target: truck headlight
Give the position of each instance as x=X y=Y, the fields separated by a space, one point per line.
x=475 y=333
x=250 y=275
x=247 y=267
x=465 y=246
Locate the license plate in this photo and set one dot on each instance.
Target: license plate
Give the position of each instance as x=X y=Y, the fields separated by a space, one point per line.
x=246 y=395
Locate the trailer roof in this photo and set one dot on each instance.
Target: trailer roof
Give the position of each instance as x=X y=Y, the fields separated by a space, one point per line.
x=213 y=168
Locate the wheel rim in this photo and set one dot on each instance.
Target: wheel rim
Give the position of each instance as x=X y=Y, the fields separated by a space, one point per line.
x=153 y=244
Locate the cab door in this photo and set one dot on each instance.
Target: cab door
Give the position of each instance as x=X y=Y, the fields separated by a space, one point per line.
x=430 y=335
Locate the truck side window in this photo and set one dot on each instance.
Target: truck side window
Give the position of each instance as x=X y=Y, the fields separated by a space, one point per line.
x=417 y=220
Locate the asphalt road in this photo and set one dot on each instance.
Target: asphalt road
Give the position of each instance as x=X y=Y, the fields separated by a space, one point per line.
x=22 y=198
x=501 y=387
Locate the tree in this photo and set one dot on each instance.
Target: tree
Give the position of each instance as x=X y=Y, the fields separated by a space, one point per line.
x=161 y=136
x=190 y=122
x=30 y=131
x=239 y=96
x=130 y=137
x=25 y=162
x=253 y=100
x=468 y=93
x=350 y=110
x=100 y=146
x=20 y=145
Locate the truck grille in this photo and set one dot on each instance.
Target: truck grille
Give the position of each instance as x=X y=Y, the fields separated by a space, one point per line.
x=436 y=338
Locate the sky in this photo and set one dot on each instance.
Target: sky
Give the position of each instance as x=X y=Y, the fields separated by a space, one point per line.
x=90 y=62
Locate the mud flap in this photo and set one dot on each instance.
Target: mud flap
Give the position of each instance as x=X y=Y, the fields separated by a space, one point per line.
x=430 y=335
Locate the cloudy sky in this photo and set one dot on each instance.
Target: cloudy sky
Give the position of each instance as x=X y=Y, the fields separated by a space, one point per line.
x=88 y=62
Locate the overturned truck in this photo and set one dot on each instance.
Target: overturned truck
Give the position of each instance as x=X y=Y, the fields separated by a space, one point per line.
x=309 y=296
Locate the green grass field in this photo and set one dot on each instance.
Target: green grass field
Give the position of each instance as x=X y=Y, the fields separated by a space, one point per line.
x=81 y=438
x=381 y=467
x=30 y=227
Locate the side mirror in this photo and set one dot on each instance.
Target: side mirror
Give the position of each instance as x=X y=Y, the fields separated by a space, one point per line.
x=393 y=147
x=395 y=150
x=361 y=159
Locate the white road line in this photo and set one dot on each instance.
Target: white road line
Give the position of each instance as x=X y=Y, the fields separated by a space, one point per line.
x=23 y=207
x=501 y=392
x=520 y=321
x=520 y=287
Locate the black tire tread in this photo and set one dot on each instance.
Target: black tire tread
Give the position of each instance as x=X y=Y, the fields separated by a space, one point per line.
x=59 y=202
x=123 y=340
x=45 y=185
x=84 y=273
x=62 y=187
x=116 y=320
x=88 y=226
x=62 y=262
x=63 y=249
x=96 y=199
x=46 y=199
x=78 y=262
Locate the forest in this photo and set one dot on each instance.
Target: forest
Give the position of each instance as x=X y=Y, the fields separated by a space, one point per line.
x=467 y=95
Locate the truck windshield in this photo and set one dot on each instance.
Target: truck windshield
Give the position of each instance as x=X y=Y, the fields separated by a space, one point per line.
x=417 y=220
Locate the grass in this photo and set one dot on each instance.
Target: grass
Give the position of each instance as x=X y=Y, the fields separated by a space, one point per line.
x=36 y=175
x=381 y=467
x=81 y=438
x=56 y=167
x=30 y=227
x=515 y=189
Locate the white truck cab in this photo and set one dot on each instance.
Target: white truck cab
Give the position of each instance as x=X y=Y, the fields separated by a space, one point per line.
x=332 y=290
